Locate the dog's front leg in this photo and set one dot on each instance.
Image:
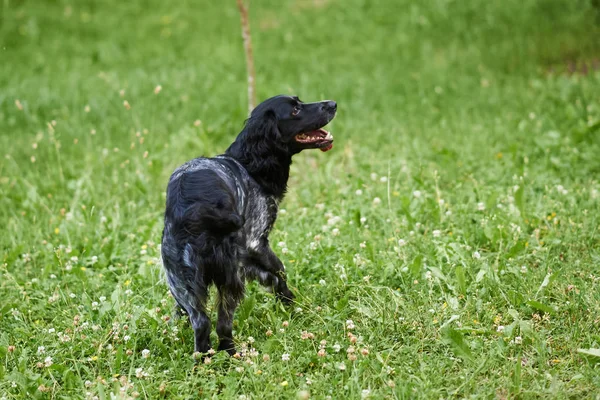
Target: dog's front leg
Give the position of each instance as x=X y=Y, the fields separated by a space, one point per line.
x=267 y=260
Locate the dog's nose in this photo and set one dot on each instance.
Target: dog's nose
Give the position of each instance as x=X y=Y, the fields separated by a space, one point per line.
x=330 y=105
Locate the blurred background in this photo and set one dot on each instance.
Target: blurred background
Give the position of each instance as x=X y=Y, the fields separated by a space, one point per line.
x=412 y=79
x=465 y=158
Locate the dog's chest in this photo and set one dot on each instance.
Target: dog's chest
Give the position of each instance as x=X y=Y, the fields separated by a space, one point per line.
x=261 y=213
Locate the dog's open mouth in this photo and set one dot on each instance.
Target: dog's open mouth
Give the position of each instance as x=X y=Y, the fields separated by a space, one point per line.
x=319 y=139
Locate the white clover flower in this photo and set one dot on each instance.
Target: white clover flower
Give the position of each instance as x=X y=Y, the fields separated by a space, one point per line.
x=560 y=189
x=102 y=299
x=518 y=340
x=365 y=393
x=373 y=176
x=48 y=361
x=342 y=366
x=401 y=242
x=476 y=255
x=285 y=250
x=523 y=269
x=41 y=350
x=363 y=220
x=335 y=232
x=376 y=201
x=51 y=330
x=72 y=295
x=334 y=220
x=383 y=179
x=281 y=244
x=285 y=357
x=500 y=328
x=126 y=338
x=94 y=259
x=350 y=324
x=359 y=192
x=322 y=282
x=145 y=353
x=480 y=206
x=417 y=194
x=436 y=233
x=337 y=348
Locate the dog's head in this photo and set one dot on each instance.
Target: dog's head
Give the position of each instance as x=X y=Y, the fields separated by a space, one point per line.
x=293 y=124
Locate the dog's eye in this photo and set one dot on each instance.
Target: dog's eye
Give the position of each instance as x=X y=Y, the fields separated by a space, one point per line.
x=296 y=111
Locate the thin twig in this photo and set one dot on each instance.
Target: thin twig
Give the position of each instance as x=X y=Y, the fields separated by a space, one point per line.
x=245 y=21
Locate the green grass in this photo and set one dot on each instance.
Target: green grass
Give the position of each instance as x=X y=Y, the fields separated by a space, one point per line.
x=468 y=263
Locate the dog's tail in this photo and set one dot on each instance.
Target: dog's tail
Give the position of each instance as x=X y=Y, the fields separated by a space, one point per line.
x=202 y=202
x=221 y=221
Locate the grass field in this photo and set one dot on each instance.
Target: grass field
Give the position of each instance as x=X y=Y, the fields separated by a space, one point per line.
x=447 y=247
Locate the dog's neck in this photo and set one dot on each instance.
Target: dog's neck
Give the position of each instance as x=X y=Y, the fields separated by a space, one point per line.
x=266 y=162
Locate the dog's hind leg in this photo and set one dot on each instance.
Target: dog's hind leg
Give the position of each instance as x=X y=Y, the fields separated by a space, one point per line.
x=201 y=325
x=190 y=292
x=229 y=299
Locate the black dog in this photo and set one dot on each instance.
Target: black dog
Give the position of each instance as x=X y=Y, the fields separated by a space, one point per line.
x=220 y=211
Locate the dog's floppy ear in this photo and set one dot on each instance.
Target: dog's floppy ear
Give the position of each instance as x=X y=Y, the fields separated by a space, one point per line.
x=263 y=125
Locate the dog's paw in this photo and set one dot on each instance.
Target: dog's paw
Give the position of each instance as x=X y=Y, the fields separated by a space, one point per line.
x=286 y=296
x=228 y=346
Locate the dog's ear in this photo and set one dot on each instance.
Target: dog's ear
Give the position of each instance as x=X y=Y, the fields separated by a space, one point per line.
x=264 y=125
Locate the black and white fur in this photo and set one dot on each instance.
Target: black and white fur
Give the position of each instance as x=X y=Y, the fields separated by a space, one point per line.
x=220 y=210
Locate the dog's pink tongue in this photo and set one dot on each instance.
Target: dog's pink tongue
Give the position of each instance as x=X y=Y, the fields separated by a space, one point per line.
x=324 y=149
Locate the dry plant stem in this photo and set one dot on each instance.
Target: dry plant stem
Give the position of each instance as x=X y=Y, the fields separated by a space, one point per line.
x=249 y=57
